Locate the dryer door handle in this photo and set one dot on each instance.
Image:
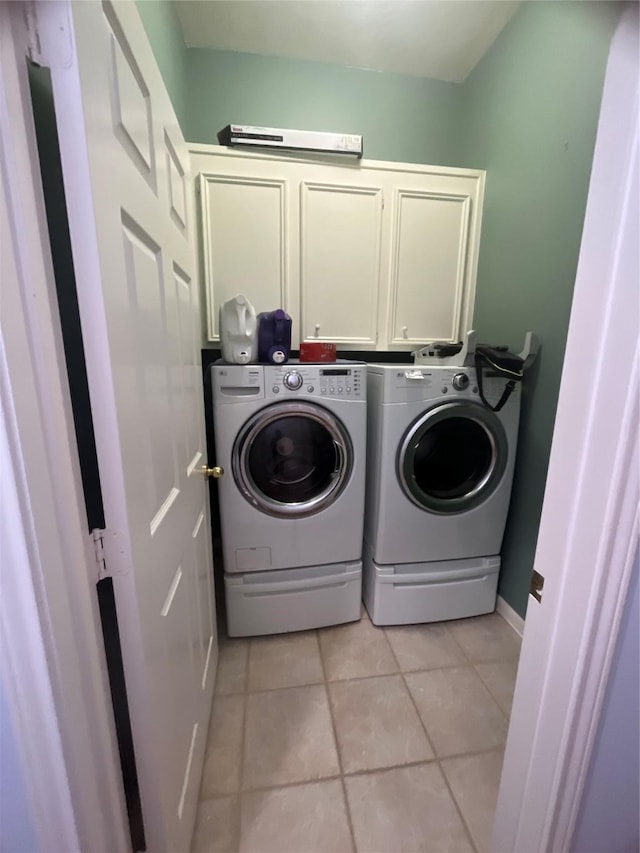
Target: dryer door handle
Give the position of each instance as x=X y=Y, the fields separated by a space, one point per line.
x=341 y=454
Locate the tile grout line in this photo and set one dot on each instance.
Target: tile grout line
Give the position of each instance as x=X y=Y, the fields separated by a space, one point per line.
x=436 y=759
x=246 y=693
x=456 y=643
x=444 y=758
x=408 y=689
x=439 y=759
x=465 y=654
x=465 y=664
x=483 y=616
x=469 y=662
x=369 y=772
x=495 y=699
x=457 y=805
x=433 y=749
x=338 y=752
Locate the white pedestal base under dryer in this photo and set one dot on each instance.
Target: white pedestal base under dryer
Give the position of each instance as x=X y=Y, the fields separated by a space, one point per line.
x=429 y=592
x=439 y=475
x=291 y=440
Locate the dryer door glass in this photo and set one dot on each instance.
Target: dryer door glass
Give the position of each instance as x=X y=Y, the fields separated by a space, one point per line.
x=292 y=459
x=453 y=457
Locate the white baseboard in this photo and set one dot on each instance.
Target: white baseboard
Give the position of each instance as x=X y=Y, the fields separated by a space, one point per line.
x=510 y=616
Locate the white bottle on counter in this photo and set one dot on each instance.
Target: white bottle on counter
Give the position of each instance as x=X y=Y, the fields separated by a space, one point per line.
x=238 y=331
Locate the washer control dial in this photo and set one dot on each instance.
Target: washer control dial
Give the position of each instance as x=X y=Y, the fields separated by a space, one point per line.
x=460 y=381
x=292 y=380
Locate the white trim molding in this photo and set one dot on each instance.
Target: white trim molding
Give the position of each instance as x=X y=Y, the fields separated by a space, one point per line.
x=336 y=160
x=510 y=616
x=24 y=673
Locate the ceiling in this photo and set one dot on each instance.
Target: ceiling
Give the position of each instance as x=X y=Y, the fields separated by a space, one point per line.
x=442 y=39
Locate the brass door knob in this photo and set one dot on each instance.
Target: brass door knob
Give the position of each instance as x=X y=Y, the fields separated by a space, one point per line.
x=216 y=472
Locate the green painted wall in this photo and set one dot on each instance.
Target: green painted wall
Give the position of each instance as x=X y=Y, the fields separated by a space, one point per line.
x=531 y=109
x=401 y=118
x=527 y=114
x=165 y=35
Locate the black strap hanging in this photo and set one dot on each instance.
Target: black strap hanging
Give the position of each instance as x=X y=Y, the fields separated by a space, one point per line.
x=505 y=364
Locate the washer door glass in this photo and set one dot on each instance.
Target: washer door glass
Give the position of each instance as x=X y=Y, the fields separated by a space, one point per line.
x=453 y=457
x=292 y=459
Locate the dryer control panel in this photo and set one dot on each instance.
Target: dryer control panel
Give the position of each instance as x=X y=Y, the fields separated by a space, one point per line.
x=401 y=383
x=337 y=380
x=415 y=383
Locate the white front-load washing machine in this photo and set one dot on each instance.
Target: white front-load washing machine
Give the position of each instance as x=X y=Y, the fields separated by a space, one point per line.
x=439 y=474
x=291 y=440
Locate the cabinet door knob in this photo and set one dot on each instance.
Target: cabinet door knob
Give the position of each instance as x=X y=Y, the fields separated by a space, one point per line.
x=317 y=330
x=405 y=332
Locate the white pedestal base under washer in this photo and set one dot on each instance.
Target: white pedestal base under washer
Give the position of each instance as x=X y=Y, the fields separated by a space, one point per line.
x=291 y=440
x=439 y=475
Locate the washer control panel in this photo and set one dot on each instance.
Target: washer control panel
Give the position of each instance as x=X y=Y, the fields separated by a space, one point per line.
x=332 y=380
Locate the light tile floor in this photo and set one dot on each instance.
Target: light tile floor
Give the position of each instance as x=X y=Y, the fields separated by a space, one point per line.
x=358 y=738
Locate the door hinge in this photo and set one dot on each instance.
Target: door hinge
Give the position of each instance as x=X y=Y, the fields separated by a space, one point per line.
x=537 y=582
x=112 y=553
x=30 y=15
x=49 y=30
x=99 y=551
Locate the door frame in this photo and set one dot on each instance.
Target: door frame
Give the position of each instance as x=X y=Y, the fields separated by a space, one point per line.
x=590 y=520
x=56 y=575
x=52 y=666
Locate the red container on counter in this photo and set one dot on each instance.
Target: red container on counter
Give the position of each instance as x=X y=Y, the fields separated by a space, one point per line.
x=312 y=351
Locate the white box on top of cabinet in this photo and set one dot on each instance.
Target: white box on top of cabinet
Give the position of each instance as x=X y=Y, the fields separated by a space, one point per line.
x=369 y=255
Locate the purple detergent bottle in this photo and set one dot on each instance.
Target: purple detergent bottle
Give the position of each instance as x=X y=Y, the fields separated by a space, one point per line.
x=274 y=337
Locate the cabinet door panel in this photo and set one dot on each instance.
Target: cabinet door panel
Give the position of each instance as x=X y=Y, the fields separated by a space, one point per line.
x=340 y=233
x=245 y=237
x=429 y=235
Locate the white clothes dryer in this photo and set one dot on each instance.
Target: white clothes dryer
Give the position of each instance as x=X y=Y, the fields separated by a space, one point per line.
x=439 y=474
x=291 y=440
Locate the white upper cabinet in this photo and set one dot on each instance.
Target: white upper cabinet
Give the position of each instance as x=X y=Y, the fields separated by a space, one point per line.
x=244 y=242
x=340 y=233
x=368 y=255
x=428 y=255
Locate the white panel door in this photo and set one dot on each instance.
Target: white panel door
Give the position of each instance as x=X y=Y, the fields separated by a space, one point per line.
x=126 y=173
x=340 y=236
x=245 y=242
x=428 y=255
